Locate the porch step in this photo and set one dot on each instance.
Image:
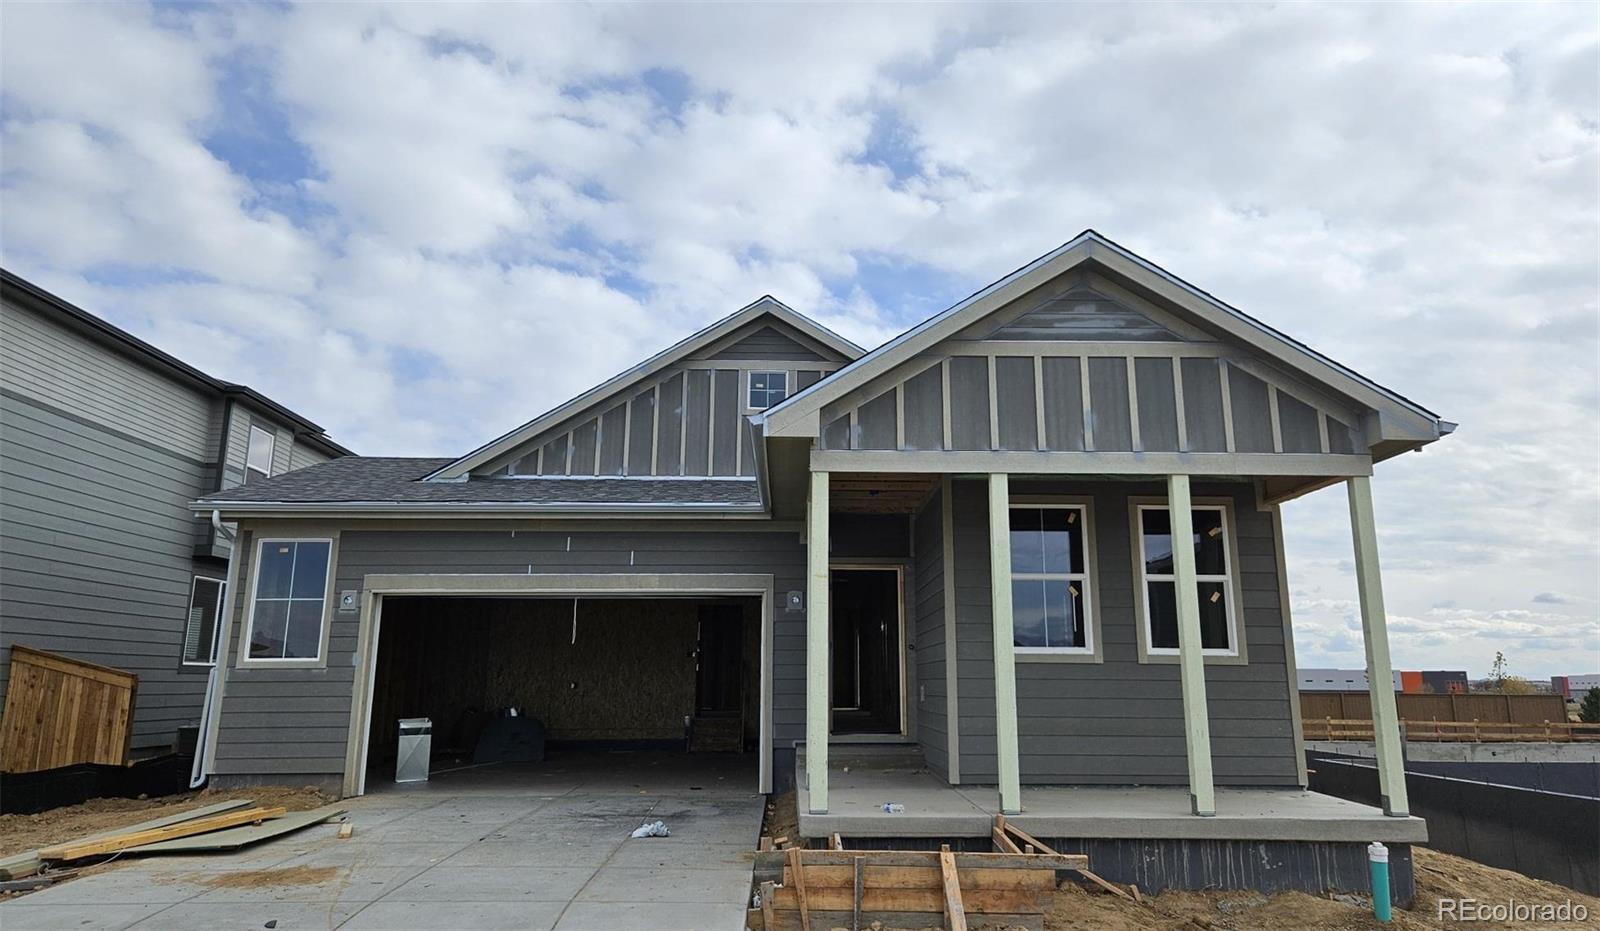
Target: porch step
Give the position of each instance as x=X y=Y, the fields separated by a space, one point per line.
x=719 y=734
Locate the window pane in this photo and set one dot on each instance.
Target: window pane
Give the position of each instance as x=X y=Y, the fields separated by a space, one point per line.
x=267 y=629
x=1213 y=616
x=1063 y=614
x=259 y=454
x=277 y=565
x=1157 y=527
x=200 y=630
x=1163 y=615
x=1028 y=613
x=1209 y=555
x=1063 y=535
x=304 y=638
x=310 y=570
x=1027 y=540
x=758 y=381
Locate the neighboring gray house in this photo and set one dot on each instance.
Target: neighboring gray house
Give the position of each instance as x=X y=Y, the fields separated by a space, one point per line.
x=104 y=442
x=763 y=538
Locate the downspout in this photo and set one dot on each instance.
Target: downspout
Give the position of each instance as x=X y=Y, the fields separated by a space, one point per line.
x=208 y=711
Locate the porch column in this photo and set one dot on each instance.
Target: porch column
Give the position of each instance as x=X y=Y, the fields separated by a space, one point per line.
x=817 y=645
x=1191 y=659
x=1005 y=665
x=1375 y=632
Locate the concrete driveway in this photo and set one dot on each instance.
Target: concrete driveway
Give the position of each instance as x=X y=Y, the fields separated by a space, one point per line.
x=539 y=848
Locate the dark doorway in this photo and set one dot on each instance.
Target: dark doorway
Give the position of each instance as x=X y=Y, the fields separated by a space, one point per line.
x=866 y=651
x=719 y=679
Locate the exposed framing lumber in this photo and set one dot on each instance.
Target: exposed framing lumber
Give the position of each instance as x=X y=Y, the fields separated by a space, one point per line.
x=955 y=912
x=1001 y=827
x=77 y=850
x=800 y=887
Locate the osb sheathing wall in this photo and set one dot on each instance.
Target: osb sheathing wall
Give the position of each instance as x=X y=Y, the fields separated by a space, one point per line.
x=628 y=676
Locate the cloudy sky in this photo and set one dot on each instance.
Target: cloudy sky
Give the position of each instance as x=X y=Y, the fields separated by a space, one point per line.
x=422 y=224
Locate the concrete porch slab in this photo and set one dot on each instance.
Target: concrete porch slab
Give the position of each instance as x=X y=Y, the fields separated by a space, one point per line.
x=860 y=783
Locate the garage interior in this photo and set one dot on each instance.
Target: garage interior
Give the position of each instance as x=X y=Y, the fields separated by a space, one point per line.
x=667 y=675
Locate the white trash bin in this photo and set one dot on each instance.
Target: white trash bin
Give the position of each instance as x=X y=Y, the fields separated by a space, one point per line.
x=416 y=743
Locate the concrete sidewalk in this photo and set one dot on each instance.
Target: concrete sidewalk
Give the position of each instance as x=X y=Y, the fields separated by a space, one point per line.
x=482 y=853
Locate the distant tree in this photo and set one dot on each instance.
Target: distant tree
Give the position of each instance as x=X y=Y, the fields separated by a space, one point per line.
x=1589 y=708
x=1497 y=671
x=1516 y=685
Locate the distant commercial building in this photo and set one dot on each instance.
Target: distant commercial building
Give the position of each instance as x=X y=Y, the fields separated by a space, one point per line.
x=1573 y=688
x=1434 y=681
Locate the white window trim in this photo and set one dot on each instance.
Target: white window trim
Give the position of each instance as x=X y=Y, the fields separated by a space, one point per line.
x=1230 y=588
x=788 y=387
x=1092 y=650
x=272 y=449
x=288 y=662
x=216 y=626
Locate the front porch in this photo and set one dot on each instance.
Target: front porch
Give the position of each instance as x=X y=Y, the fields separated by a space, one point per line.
x=862 y=781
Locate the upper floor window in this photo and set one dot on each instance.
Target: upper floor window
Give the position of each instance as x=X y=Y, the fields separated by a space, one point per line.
x=258 y=458
x=1213 y=563
x=767 y=389
x=291 y=590
x=1050 y=597
x=200 y=627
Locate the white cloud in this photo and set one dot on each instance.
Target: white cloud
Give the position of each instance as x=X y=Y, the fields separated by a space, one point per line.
x=480 y=210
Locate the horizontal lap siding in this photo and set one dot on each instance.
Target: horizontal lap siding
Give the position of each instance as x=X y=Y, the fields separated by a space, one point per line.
x=296 y=720
x=1121 y=721
x=927 y=610
x=98 y=554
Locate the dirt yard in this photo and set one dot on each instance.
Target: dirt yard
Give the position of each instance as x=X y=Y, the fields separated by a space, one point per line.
x=21 y=833
x=1438 y=875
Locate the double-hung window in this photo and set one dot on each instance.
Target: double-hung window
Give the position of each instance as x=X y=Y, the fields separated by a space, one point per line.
x=1050 y=596
x=286 y=612
x=767 y=389
x=1213 y=562
x=200 y=627
x=258 y=456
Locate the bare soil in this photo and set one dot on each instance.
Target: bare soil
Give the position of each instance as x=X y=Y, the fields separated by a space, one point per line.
x=1438 y=875
x=22 y=833
x=265 y=879
x=782 y=819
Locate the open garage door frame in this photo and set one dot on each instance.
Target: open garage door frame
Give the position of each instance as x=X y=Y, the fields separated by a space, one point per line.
x=563 y=585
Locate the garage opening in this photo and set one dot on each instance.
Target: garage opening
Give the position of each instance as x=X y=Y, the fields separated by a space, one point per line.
x=519 y=680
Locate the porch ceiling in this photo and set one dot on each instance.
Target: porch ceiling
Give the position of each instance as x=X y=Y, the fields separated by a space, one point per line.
x=879 y=493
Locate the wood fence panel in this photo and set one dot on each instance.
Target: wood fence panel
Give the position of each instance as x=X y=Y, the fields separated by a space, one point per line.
x=1426 y=707
x=60 y=711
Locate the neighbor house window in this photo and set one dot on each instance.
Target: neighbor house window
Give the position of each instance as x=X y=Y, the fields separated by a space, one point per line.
x=1050 y=579
x=767 y=389
x=200 y=628
x=291 y=587
x=1213 y=573
x=258 y=458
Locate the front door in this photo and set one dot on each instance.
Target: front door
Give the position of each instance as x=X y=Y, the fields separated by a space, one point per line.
x=868 y=669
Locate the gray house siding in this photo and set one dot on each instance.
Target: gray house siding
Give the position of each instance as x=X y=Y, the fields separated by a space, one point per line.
x=295 y=721
x=926 y=606
x=97 y=555
x=1121 y=721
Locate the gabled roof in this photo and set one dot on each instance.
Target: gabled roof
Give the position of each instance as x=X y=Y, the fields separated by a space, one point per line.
x=92 y=327
x=370 y=484
x=767 y=305
x=1400 y=418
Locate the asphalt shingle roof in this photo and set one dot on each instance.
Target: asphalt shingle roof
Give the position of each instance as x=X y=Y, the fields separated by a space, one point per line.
x=368 y=480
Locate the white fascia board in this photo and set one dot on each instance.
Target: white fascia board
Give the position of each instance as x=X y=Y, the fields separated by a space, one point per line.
x=424 y=509
x=624 y=380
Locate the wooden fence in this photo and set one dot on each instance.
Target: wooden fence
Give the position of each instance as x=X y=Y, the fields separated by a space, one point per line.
x=60 y=711
x=1454 y=731
x=1474 y=706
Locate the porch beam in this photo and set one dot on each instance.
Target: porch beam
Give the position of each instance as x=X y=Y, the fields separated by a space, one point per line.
x=1007 y=765
x=1035 y=462
x=817 y=645
x=1191 y=658
x=1375 y=634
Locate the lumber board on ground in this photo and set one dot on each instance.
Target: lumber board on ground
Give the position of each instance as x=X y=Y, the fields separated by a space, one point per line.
x=825 y=920
x=923 y=877
x=20 y=865
x=77 y=850
x=964 y=860
x=955 y=911
x=930 y=901
x=234 y=838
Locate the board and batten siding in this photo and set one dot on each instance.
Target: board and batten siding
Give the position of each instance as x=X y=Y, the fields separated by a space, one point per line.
x=295 y=721
x=1121 y=721
x=925 y=592
x=98 y=552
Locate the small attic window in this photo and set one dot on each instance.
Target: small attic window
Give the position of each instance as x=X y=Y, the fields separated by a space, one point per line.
x=767 y=389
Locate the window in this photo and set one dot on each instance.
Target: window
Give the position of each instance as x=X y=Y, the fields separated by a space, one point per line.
x=286 y=612
x=767 y=389
x=258 y=458
x=1213 y=575
x=1050 y=579
x=200 y=629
